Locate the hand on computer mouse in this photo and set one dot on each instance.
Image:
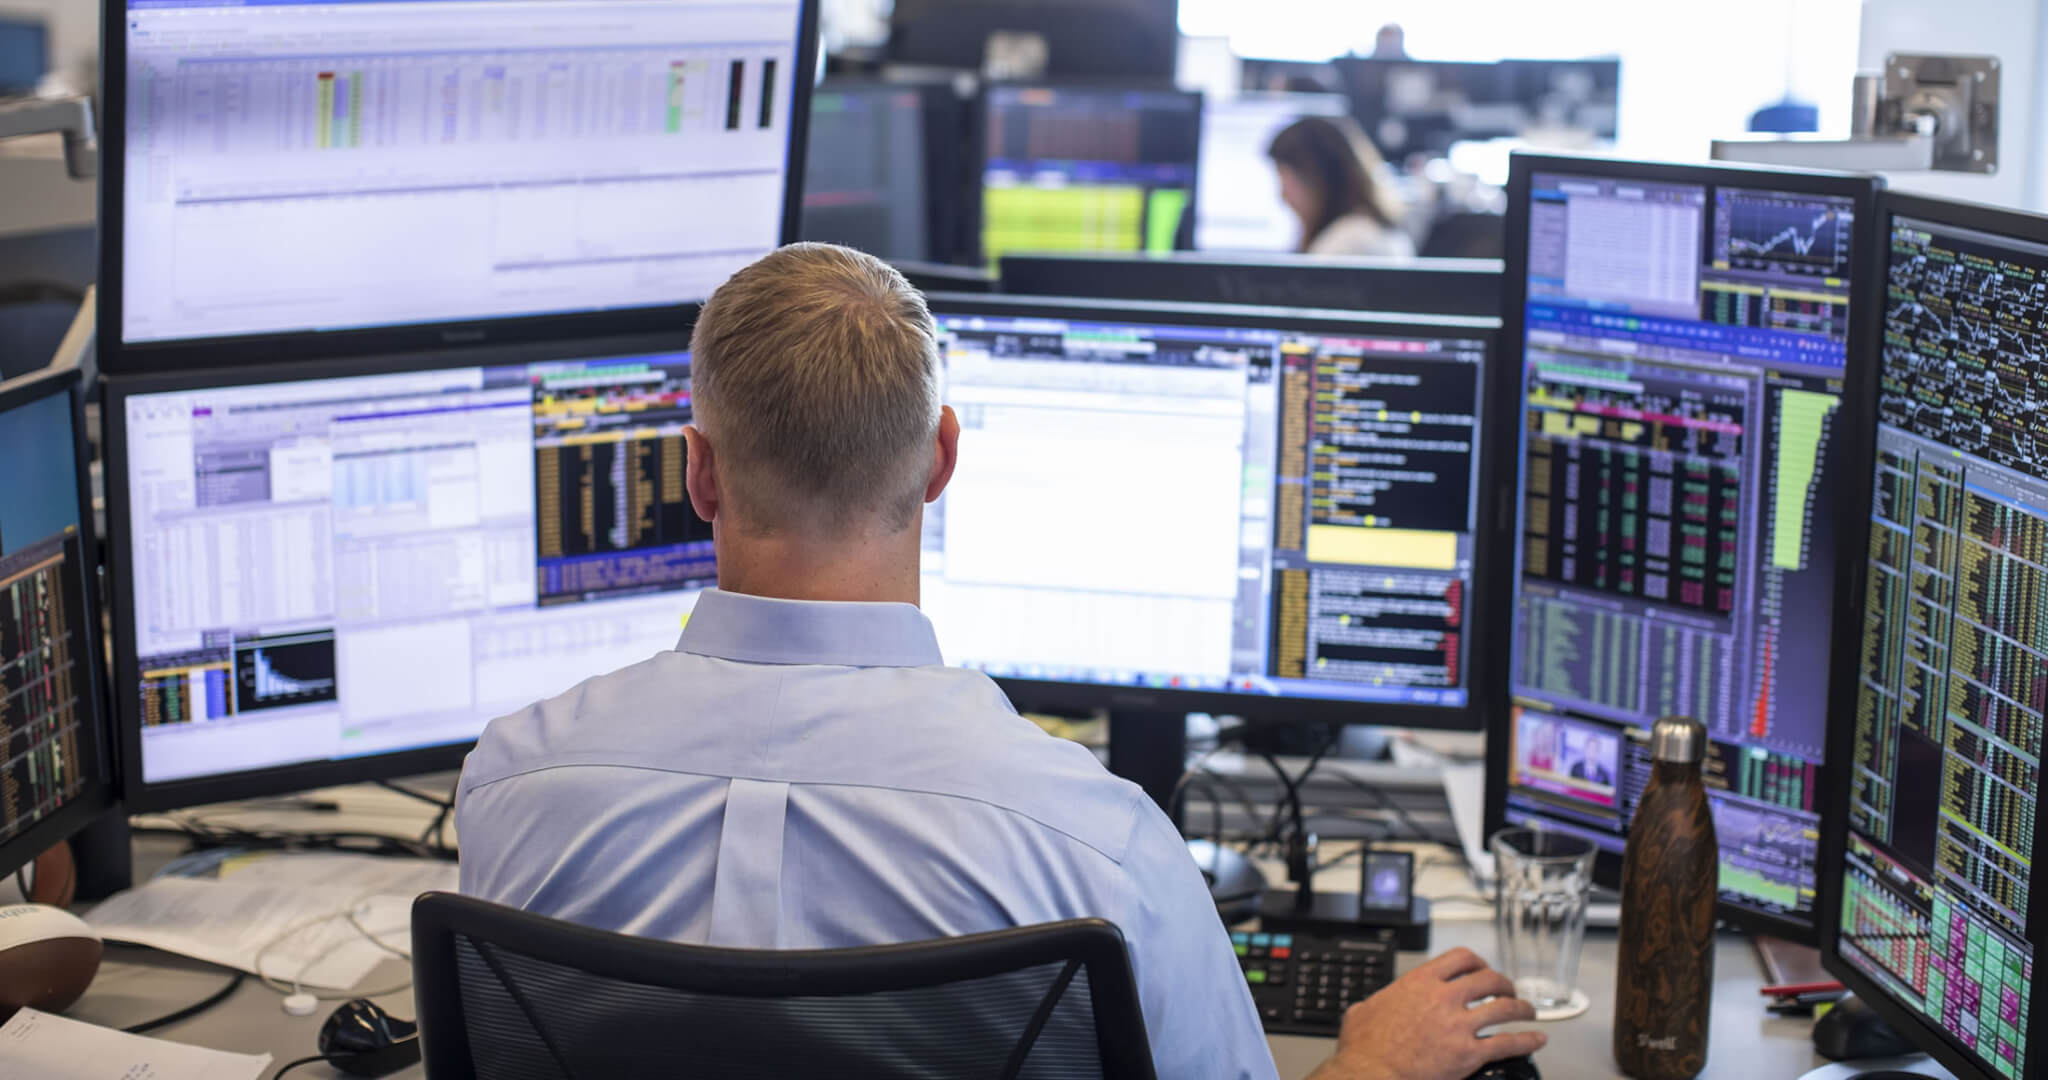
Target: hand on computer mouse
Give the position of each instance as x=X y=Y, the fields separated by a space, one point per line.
x=1425 y=1027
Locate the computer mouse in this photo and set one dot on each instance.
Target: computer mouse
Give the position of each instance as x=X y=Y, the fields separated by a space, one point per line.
x=1852 y=1031
x=364 y=1040
x=1514 y=1068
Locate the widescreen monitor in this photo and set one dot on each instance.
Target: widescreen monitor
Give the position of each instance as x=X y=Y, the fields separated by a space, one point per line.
x=340 y=571
x=285 y=178
x=1266 y=513
x=54 y=774
x=864 y=174
x=1087 y=169
x=1684 y=355
x=1940 y=685
x=1239 y=208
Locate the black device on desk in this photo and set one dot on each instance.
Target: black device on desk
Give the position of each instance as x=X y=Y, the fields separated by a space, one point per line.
x=1938 y=693
x=1303 y=982
x=1689 y=406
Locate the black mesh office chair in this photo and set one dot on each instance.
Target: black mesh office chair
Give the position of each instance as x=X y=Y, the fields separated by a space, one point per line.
x=507 y=995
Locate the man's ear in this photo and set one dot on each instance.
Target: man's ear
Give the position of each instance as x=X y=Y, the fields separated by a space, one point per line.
x=945 y=454
x=700 y=476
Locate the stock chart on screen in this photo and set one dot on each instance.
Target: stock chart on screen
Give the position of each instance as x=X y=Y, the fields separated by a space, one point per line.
x=1952 y=677
x=1682 y=376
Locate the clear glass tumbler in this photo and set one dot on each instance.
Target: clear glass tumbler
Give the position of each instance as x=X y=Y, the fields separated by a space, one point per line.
x=1544 y=880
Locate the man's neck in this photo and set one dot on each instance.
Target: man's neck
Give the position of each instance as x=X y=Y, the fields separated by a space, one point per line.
x=860 y=568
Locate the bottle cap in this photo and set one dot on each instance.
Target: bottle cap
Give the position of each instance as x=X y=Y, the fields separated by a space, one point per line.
x=1678 y=739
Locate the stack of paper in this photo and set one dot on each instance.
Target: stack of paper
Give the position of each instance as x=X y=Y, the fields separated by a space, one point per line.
x=38 y=1046
x=289 y=911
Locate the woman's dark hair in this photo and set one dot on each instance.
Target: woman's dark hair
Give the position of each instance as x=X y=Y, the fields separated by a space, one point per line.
x=1335 y=159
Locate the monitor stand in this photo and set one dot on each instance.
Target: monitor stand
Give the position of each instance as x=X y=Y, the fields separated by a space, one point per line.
x=104 y=856
x=1150 y=749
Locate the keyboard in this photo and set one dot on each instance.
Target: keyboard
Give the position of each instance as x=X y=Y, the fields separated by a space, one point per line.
x=1302 y=983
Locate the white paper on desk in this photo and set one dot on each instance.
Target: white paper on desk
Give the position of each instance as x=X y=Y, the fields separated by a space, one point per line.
x=38 y=1046
x=300 y=933
x=346 y=875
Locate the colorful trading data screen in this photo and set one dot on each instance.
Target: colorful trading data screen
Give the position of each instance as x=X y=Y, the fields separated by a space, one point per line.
x=332 y=568
x=1685 y=350
x=1088 y=170
x=1947 y=768
x=1267 y=512
x=296 y=165
x=48 y=752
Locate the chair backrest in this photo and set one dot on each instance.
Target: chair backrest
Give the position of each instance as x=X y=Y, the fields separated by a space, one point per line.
x=507 y=995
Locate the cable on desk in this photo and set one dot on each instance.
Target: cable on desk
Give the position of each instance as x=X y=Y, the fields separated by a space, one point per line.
x=234 y=983
x=314 y=1060
x=204 y=834
x=1387 y=803
x=22 y=882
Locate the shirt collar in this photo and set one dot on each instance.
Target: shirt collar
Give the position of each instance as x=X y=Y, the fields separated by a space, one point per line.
x=761 y=630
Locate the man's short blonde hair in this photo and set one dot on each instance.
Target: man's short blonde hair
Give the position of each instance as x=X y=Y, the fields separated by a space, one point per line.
x=815 y=376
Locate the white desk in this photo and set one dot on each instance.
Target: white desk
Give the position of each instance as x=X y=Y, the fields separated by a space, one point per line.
x=1748 y=1043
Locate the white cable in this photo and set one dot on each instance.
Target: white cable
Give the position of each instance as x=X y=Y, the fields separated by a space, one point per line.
x=295 y=988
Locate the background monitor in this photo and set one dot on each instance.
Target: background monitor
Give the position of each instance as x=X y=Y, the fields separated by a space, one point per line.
x=298 y=178
x=24 y=53
x=1681 y=344
x=340 y=571
x=1940 y=693
x=1172 y=507
x=1100 y=39
x=54 y=772
x=1087 y=169
x=1239 y=207
x=1425 y=106
x=864 y=174
x=1426 y=286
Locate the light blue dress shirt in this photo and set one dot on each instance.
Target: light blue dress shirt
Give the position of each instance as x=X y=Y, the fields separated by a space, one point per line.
x=801 y=774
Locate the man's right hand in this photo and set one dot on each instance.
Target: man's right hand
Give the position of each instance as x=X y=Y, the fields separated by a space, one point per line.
x=1425 y=1027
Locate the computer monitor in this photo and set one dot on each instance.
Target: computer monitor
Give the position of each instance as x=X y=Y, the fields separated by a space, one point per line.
x=1939 y=689
x=1682 y=343
x=1081 y=169
x=1084 y=39
x=339 y=571
x=294 y=178
x=1423 y=107
x=1239 y=208
x=55 y=776
x=1365 y=282
x=24 y=54
x=864 y=179
x=1171 y=508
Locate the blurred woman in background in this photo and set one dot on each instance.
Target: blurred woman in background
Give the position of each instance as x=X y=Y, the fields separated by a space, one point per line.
x=1336 y=183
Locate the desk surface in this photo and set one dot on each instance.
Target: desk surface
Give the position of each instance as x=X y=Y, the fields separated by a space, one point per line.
x=135 y=985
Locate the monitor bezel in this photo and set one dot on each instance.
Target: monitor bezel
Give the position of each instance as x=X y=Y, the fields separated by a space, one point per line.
x=1846 y=673
x=117 y=356
x=984 y=107
x=1461 y=287
x=101 y=795
x=142 y=796
x=1059 y=696
x=1506 y=400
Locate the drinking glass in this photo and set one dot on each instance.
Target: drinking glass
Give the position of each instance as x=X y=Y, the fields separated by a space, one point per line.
x=1545 y=879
